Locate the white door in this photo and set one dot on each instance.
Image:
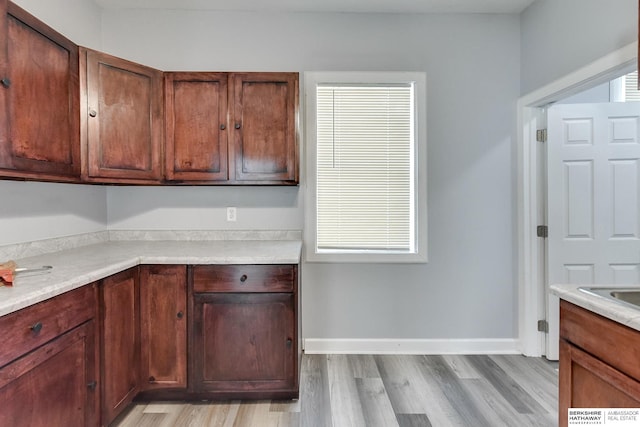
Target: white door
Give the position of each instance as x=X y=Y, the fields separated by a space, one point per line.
x=593 y=162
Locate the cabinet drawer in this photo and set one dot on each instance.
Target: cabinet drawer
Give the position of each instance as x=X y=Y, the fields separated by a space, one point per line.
x=601 y=337
x=244 y=278
x=33 y=326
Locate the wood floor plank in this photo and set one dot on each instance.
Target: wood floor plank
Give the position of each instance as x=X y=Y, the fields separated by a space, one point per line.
x=413 y=393
x=285 y=406
x=381 y=391
x=150 y=420
x=539 y=379
x=399 y=377
x=510 y=390
x=131 y=417
x=498 y=411
x=363 y=366
x=434 y=368
x=461 y=366
x=256 y=414
x=229 y=417
x=193 y=415
x=413 y=420
x=375 y=402
x=509 y=414
x=315 y=403
x=346 y=408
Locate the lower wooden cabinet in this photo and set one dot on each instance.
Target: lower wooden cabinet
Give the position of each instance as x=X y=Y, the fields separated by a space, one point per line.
x=120 y=342
x=244 y=331
x=54 y=381
x=154 y=331
x=243 y=343
x=598 y=362
x=54 y=385
x=163 y=307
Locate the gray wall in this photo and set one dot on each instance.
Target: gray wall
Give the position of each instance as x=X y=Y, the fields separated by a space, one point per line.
x=468 y=288
x=562 y=36
x=35 y=211
x=474 y=70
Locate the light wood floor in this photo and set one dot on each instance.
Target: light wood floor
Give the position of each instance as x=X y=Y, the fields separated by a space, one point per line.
x=357 y=390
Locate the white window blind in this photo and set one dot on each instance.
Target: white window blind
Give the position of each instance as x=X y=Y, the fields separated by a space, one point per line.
x=631 y=87
x=365 y=167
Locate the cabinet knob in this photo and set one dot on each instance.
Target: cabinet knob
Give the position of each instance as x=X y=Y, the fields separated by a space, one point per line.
x=92 y=385
x=152 y=379
x=180 y=315
x=6 y=82
x=93 y=113
x=289 y=342
x=223 y=127
x=243 y=278
x=36 y=327
x=237 y=125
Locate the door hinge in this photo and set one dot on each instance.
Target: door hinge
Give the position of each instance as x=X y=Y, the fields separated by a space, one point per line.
x=541 y=135
x=543 y=326
x=542 y=231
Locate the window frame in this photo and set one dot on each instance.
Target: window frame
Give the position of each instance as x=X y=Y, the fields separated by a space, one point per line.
x=311 y=81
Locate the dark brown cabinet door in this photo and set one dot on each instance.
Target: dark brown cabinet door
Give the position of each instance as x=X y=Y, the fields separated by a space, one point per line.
x=586 y=382
x=123 y=114
x=39 y=99
x=196 y=127
x=120 y=342
x=54 y=385
x=163 y=306
x=243 y=342
x=264 y=113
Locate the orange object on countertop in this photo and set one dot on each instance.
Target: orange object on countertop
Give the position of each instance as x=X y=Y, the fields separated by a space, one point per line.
x=7 y=271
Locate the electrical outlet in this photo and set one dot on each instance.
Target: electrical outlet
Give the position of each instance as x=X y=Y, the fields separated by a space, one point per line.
x=231 y=214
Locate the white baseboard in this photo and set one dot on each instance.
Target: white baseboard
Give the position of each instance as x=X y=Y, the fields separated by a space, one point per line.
x=411 y=346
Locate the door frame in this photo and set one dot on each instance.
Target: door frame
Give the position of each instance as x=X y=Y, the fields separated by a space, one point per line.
x=531 y=263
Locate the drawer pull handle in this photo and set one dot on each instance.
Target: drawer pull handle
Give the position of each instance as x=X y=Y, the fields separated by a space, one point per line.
x=92 y=385
x=243 y=278
x=37 y=327
x=180 y=315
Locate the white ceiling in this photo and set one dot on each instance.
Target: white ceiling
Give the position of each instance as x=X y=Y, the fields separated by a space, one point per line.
x=361 y=6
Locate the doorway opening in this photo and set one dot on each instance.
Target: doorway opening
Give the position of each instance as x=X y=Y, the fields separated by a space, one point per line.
x=532 y=275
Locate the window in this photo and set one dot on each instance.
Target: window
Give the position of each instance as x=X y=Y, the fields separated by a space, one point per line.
x=366 y=192
x=631 y=92
x=625 y=88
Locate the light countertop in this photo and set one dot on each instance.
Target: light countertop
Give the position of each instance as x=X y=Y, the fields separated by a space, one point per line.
x=619 y=312
x=80 y=266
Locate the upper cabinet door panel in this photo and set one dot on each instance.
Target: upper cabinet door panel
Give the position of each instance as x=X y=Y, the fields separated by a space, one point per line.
x=124 y=119
x=265 y=112
x=196 y=126
x=40 y=93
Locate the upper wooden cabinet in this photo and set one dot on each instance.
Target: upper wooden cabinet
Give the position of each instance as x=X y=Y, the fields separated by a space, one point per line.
x=77 y=115
x=196 y=127
x=39 y=99
x=232 y=128
x=122 y=114
x=265 y=143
